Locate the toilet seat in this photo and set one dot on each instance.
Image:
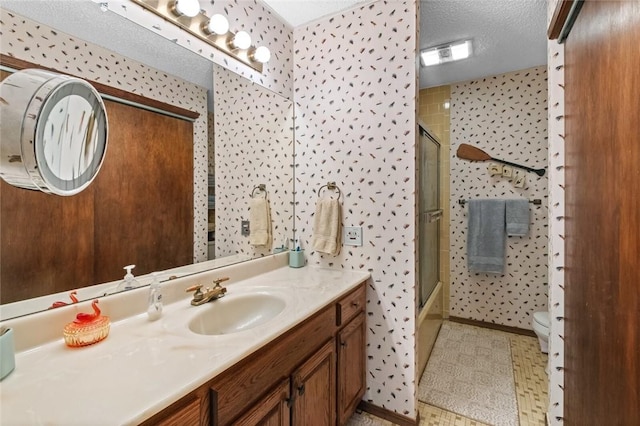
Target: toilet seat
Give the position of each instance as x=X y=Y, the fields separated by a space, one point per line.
x=542 y=319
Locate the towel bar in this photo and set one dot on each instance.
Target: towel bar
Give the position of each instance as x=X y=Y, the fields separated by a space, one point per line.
x=536 y=201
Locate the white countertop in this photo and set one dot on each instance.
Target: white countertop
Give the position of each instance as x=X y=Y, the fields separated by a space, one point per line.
x=143 y=366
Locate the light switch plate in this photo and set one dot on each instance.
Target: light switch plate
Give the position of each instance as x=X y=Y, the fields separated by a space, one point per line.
x=244 y=230
x=353 y=236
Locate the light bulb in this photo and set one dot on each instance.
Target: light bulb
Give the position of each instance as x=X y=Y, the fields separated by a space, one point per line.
x=242 y=40
x=188 y=8
x=217 y=24
x=262 y=55
x=461 y=50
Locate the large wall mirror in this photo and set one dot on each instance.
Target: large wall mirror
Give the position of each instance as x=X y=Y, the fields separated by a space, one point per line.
x=249 y=137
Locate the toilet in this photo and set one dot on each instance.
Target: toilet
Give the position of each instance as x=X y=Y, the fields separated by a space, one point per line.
x=540 y=325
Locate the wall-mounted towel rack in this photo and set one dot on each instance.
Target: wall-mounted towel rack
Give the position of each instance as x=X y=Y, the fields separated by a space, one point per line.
x=261 y=187
x=331 y=186
x=536 y=201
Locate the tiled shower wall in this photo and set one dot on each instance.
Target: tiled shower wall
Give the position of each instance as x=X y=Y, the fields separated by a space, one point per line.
x=506 y=116
x=355 y=88
x=434 y=112
x=31 y=41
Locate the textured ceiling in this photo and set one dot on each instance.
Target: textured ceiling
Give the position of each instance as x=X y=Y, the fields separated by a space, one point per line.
x=85 y=20
x=507 y=35
x=300 y=12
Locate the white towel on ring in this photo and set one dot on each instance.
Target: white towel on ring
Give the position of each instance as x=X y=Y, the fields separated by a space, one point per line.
x=260 y=222
x=327 y=224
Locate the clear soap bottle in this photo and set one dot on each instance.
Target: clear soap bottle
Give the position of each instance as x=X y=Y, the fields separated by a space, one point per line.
x=154 y=309
x=129 y=281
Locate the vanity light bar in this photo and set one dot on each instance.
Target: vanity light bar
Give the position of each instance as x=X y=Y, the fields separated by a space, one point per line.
x=199 y=27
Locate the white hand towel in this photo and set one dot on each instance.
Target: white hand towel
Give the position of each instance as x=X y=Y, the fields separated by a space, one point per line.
x=327 y=227
x=260 y=222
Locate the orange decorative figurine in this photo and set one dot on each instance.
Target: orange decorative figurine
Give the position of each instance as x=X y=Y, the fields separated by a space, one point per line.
x=87 y=329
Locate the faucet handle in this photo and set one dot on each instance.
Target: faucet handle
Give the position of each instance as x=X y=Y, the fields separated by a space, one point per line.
x=198 y=295
x=220 y=280
x=196 y=287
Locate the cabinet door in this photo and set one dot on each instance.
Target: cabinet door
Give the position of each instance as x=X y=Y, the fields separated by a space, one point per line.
x=272 y=410
x=351 y=367
x=314 y=389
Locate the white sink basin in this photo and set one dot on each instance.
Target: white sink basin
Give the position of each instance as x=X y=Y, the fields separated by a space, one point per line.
x=231 y=314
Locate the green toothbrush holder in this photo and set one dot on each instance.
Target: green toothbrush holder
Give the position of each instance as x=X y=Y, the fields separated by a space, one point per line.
x=296 y=258
x=7 y=352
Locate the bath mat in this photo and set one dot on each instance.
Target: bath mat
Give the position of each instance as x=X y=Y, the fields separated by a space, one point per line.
x=470 y=373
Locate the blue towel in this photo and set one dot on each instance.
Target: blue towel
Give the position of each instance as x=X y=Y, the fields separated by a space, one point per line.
x=517 y=217
x=486 y=239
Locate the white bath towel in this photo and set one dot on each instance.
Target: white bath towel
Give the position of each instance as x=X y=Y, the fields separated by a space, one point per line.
x=327 y=226
x=260 y=222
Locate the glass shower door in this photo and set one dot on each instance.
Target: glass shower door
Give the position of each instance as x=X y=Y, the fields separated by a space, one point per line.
x=429 y=215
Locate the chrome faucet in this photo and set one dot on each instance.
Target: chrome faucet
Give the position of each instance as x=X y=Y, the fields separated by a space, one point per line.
x=202 y=296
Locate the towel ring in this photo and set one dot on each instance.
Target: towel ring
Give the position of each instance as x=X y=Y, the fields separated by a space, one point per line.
x=331 y=186
x=261 y=187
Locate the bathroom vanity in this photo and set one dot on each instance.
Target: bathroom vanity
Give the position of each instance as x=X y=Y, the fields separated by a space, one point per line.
x=289 y=348
x=309 y=375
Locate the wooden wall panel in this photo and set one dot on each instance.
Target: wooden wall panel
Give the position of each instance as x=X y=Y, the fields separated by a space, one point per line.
x=46 y=243
x=602 y=290
x=36 y=230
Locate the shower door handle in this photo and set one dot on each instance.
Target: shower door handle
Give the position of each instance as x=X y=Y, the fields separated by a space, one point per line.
x=434 y=215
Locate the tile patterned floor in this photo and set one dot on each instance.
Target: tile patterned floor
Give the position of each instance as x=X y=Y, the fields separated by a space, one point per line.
x=531 y=391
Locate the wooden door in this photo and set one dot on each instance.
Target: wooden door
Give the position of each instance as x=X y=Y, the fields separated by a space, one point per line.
x=351 y=367
x=272 y=410
x=144 y=206
x=314 y=389
x=602 y=288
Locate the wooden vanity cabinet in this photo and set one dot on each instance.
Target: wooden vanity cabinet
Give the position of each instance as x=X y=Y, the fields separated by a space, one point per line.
x=313 y=375
x=351 y=367
x=314 y=401
x=271 y=410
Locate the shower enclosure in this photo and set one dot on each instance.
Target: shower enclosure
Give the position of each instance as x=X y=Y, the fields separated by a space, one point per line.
x=430 y=215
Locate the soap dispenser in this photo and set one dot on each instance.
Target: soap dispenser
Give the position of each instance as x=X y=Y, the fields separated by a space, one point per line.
x=154 y=309
x=129 y=281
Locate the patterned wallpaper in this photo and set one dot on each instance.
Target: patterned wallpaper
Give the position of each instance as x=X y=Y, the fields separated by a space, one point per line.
x=250 y=15
x=506 y=116
x=355 y=88
x=254 y=145
x=33 y=42
x=556 y=231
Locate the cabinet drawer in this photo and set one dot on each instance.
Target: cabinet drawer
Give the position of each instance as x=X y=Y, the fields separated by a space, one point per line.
x=350 y=305
x=189 y=415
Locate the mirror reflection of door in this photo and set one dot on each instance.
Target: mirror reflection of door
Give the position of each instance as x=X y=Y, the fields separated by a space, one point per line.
x=138 y=210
